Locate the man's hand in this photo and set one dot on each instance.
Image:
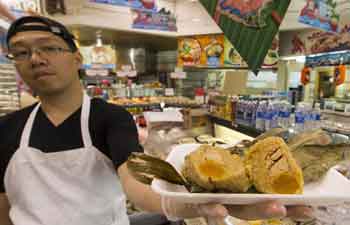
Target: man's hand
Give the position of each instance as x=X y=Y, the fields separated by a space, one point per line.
x=260 y=211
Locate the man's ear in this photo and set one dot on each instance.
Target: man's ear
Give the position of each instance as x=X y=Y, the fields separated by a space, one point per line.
x=78 y=57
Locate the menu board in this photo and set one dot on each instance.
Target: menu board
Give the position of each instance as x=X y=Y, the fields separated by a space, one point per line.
x=104 y=56
x=202 y=50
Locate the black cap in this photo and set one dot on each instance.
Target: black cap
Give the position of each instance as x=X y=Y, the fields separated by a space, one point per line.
x=46 y=24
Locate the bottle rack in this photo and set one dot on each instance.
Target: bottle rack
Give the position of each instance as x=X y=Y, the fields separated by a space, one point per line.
x=9 y=95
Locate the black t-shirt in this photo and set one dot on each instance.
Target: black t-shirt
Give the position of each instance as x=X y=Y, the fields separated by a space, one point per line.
x=112 y=130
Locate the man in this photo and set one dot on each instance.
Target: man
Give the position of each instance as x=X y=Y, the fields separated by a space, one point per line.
x=59 y=159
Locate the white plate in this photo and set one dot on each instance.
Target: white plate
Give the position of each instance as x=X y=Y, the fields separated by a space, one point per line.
x=334 y=188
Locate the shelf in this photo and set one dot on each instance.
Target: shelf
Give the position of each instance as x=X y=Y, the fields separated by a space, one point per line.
x=247 y=130
x=9 y=101
x=343 y=114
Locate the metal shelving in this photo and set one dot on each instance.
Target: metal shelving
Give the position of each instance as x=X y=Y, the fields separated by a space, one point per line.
x=9 y=95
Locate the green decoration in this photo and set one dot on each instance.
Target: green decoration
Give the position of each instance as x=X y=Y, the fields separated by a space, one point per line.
x=251 y=32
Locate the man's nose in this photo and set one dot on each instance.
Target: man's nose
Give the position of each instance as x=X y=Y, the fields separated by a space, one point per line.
x=36 y=57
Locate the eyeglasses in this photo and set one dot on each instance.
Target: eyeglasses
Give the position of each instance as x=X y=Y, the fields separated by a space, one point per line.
x=24 y=54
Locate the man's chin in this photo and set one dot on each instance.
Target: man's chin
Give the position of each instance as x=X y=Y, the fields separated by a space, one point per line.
x=48 y=91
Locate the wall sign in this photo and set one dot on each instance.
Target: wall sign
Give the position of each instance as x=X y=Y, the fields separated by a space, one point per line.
x=23 y=7
x=333 y=59
x=249 y=25
x=232 y=57
x=103 y=57
x=154 y=20
x=147 y=5
x=201 y=50
x=307 y=42
x=321 y=14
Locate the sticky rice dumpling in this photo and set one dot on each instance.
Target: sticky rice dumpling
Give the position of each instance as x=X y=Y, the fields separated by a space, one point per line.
x=272 y=168
x=216 y=170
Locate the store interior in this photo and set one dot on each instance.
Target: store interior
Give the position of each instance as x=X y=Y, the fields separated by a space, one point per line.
x=195 y=72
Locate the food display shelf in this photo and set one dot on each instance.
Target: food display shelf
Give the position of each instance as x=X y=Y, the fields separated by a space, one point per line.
x=9 y=95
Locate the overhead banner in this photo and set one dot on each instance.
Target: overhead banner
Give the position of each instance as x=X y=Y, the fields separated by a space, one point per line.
x=249 y=25
x=148 y=5
x=201 y=50
x=308 y=42
x=154 y=20
x=321 y=14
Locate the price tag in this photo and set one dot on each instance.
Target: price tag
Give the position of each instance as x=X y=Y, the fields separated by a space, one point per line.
x=132 y=73
x=178 y=75
x=126 y=68
x=169 y=92
x=96 y=72
x=122 y=74
x=178 y=69
x=127 y=73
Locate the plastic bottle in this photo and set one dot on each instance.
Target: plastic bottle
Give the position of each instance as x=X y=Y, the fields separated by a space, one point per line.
x=316 y=116
x=299 y=118
x=275 y=111
x=269 y=116
x=260 y=116
x=254 y=108
x=308 y=120
x=284 y=114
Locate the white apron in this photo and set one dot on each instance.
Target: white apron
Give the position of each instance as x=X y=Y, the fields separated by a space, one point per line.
x=73 y=187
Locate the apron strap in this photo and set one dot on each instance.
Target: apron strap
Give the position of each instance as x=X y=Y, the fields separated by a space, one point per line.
x=28 y=128
x=85 y=115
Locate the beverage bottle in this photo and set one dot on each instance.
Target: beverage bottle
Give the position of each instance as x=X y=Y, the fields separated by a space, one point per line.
x=308 y=121
x=316 y=116
x=254 y=109
x=260 y=116
x=299 y=118
x=284 y=114
x=269 y=116
x=274 y=111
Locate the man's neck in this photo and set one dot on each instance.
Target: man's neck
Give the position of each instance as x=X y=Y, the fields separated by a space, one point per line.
x=60 y=106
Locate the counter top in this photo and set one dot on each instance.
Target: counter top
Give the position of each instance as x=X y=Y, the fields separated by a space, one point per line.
x=247 y=130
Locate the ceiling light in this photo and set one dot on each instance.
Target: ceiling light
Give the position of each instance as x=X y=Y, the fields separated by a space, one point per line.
x=196 y=20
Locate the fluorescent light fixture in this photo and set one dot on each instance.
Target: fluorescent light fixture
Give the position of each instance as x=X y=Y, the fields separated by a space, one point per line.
x=196 y=20
x=329 y=53
x=300 y=58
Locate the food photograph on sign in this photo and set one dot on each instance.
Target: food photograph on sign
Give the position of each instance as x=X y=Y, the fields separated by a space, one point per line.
x=201 y=50
x=189 y=51
x=104 y=56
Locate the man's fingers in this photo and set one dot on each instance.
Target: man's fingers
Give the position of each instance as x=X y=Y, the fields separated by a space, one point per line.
x=266 y=210
x=300 y=213
x=212 y=210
